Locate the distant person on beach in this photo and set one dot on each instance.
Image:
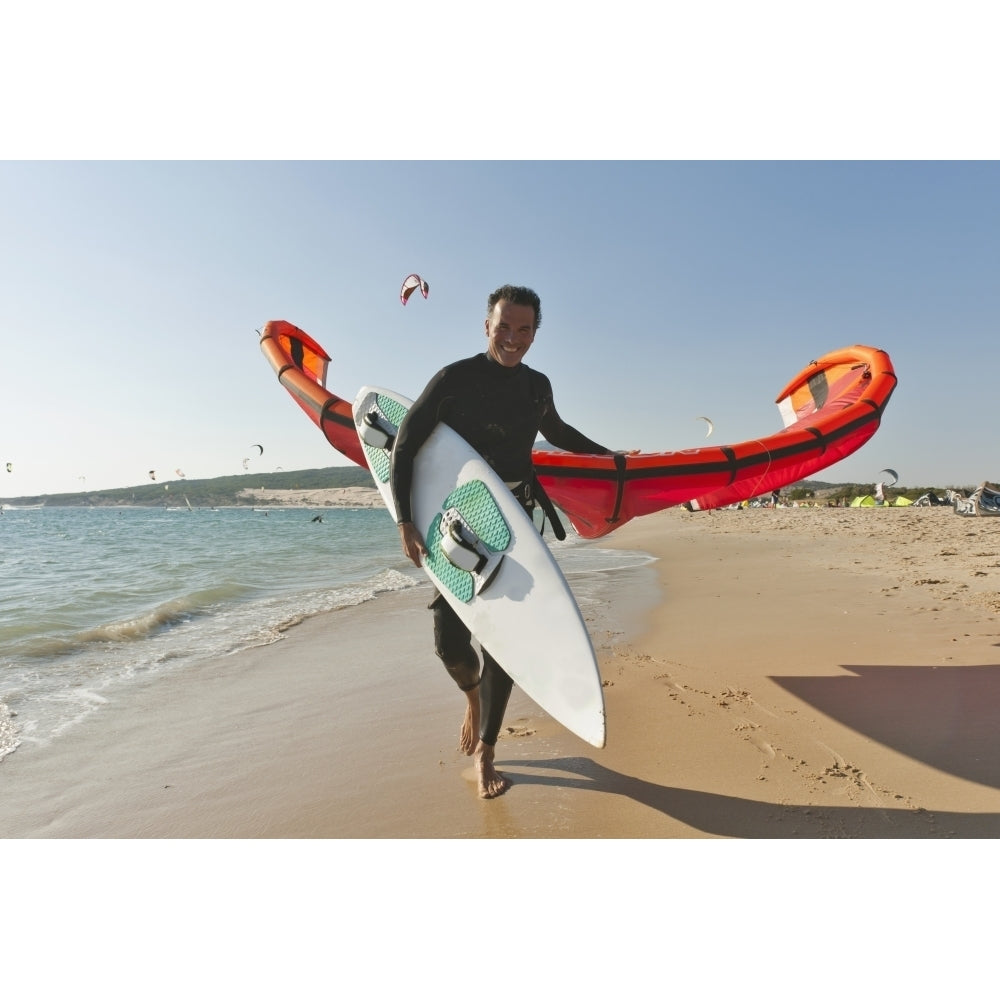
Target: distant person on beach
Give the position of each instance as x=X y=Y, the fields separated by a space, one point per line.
x=499 y=406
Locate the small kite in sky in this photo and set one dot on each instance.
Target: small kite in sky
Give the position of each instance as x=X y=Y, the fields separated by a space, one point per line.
x=893 y=473
x=180 y=475
x=10 y=466
x=246 y=464
x=711 y=426
x=410 y=284
x=259 y=447
x=152 y=474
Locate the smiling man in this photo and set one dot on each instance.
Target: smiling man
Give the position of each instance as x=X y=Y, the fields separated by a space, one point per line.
x=499 y=405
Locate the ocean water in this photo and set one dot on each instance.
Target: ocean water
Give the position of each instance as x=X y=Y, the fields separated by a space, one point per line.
x=95 y=598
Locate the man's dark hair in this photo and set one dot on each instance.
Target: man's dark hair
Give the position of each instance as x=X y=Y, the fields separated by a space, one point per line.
x=517 y=295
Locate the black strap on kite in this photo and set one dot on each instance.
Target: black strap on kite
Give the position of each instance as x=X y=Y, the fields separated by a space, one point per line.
x=620 y=469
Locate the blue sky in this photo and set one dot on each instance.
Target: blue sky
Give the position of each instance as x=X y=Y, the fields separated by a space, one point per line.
x=670 y=290
x=706 y=199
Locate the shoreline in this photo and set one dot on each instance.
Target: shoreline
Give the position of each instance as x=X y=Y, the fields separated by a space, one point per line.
x=799 y=673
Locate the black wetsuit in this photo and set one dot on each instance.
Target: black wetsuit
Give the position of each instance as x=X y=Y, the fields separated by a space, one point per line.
x=500 y=412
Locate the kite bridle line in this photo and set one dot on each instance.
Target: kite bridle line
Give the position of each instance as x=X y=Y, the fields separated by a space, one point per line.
x=760 y=479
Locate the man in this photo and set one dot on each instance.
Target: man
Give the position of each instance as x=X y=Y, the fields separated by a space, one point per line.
x=498 y=405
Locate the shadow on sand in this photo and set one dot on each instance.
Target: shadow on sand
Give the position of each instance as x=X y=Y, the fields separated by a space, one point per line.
x=947 y=717
x=729 y=816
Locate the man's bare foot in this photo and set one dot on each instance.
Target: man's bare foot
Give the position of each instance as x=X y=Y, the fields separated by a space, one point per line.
x=468 y=735
x=491 y=782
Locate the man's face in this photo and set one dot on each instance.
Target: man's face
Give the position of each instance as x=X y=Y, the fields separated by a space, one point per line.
x=510 y=330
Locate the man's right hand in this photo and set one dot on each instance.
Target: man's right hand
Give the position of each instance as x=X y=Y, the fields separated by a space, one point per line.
x=413 y=545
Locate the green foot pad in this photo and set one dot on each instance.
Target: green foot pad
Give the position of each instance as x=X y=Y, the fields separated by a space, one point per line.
x=378 y=458
x=479 y=510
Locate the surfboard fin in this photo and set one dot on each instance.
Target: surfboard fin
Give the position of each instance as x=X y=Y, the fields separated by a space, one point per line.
x=466 y=551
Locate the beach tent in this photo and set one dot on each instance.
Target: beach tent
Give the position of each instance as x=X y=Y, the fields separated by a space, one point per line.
x=901 y=501
x=866 y=501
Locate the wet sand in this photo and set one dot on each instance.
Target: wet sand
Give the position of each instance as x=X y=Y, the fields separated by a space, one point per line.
x=795 y=673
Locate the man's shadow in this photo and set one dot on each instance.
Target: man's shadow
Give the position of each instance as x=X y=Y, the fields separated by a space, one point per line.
x=947 y=718
x=731 y=816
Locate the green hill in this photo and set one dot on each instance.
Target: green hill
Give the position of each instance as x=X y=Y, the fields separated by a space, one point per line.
x=224 y=491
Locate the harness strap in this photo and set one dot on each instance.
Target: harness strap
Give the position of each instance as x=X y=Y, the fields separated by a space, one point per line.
x=530 y=492
x=550 y=511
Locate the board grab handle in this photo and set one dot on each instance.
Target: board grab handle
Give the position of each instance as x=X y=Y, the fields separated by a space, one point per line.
x=376 y=431
x=466 y=552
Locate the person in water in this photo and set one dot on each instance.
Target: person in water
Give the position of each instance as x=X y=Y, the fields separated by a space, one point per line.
x=499 y=405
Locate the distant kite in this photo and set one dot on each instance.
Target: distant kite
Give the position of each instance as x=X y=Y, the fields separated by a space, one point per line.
x=152 y=474
x=259 y=447
x=180 y=475
x=894 y=474
x=10 y=466
x=246 y=464
x=711 y=426
x=410 y=285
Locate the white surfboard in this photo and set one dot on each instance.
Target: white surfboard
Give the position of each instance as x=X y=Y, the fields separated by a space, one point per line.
x=487 y=558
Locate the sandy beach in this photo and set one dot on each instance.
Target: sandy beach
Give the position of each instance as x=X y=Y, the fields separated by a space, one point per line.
x=789 y=673
x=342 y=496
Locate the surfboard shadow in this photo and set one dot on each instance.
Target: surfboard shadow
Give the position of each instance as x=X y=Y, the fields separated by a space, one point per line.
x=516 y=583
x=732 y=816
x=942 y=716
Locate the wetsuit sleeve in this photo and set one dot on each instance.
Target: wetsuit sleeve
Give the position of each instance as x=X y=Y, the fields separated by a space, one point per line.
x=557 y=432
x=415 y=428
